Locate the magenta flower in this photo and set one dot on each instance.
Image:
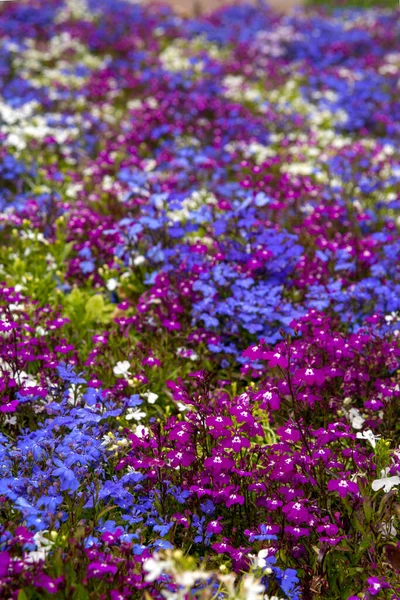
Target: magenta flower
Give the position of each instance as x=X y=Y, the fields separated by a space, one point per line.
x=237 y=443
x=219 y=463
x=219 y=423
x=214 y=526
x=310 y=375
x=234 y=498
x=99 y=569
x=180 y=457
x=10 y=406
x=288 y=434
x=48 y=583
x=276 y=359
x=375 y=585
x=295 y=511
x=343 y=487
x=222 y=547
x=4 y=563
x=297 y=532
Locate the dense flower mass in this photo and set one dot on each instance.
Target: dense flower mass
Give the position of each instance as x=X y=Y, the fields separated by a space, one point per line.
x=199 y=303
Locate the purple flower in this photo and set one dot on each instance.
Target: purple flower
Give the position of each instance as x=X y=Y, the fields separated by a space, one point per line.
x=375 y=585
x=100 y=569
x=48 y=583
x=4 y=563
x=343 y=487
x=219 y=463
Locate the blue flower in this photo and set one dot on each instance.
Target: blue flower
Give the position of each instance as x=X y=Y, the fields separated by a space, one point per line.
x=66 y=475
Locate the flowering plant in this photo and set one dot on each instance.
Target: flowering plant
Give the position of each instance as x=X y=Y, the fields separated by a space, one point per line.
x=199 y=303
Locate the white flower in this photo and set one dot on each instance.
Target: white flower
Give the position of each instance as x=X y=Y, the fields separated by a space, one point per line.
x=387 y=483
x=139 y=260
x=121 y=369
x=150 y=397
x=261 y=556
x=155 y=567
x=108 y=439
x=112 y=284
x=357 y=421
x=43 y=545
x=253 y=588
x=134 y=413
x=141 y=431
x=369 y=436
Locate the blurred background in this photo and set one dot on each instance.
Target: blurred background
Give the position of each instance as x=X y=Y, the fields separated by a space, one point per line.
x=193 y=6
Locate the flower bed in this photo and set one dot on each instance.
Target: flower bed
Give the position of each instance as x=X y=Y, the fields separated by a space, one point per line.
x=200 y=303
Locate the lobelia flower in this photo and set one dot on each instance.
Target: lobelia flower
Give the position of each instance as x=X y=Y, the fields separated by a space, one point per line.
x=154 y=567
x=48 y=583
x=375 y=585
x=134 y=414
x=385 y=483
x=369 y=436
x=100 y=569
x=4 y=563
x=218 y=463
x=121 y=369
x=150 y=396
x=343 y=487
x=253 y=589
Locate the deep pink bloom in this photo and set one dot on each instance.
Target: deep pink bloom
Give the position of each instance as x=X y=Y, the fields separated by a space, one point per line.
x=48 y=583
x=99 y=569
x=4 y=563
x=343 y=487
x=288 y=433
x=219 y=463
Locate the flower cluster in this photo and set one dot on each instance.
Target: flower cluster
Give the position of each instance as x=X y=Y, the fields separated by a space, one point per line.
x=199 y=303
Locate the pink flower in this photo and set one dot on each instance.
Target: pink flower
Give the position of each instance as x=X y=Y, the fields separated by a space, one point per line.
x=276 y=359
x=180 y=457
x=9 y=407
x=4 y=563
x=99 y=569
x=375 y=585
x=310 y=375
x=234 y=499
x=48 y=583
x=219 y=463
x=288 y=433
x=343 y=487
x=236 y=443
x=214 y=526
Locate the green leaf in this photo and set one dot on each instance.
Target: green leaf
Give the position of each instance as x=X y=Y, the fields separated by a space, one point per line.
x=22 y=595
x=97 y=310
x=80 y=593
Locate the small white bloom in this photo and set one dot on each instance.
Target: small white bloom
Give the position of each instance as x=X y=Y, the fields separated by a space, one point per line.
x=141 y=431
x=134 y=413
x=121 y=369
x=253 y=588
x=155 y=567
x=112 y=284
x=356 y=420
x=261 y=556
x=43 y=545
x=108 y=439
x=369 y=436
x=150 y=397
x=139 y=260
x=387 y=483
